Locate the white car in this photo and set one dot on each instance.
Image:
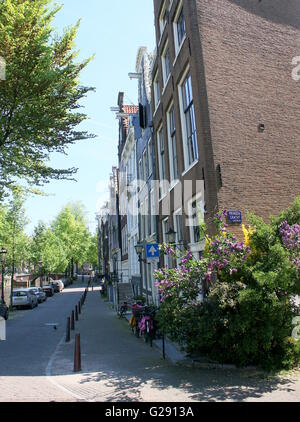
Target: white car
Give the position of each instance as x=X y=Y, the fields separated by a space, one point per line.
x=24 y=298
x=40 y=294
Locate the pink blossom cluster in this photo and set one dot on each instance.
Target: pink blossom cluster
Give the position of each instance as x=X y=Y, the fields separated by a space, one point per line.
x=290 y=236
x=227 y=254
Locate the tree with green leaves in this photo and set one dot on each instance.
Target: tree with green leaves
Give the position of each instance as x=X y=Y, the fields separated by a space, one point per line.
x=92 y=252
x=70 y=226
x=40 y=96
x=48 y=253
x=53 y=254
x=14 y=236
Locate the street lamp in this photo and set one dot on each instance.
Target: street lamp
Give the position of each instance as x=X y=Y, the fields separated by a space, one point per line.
x=115 y=261
x=171 y=236
x=139 y=249
x=3 y=253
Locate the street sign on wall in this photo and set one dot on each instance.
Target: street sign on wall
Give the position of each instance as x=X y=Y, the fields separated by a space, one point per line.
x=234 y=217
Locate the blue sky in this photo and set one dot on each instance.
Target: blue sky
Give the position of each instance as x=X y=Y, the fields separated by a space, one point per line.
x=113 y=30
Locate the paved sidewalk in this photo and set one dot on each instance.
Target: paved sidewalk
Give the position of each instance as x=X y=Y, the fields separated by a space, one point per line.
x=116 y=366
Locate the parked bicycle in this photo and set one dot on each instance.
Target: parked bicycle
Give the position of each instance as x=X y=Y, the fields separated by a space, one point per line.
x=122 y=311
x=142 y=322
x=137 y=311
x=147 y=324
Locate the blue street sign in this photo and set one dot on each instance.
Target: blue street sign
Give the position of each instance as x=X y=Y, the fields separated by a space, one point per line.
x=152 y=251
x=234 y=217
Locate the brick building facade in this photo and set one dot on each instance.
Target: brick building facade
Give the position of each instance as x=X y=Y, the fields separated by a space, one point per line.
x=226 y=66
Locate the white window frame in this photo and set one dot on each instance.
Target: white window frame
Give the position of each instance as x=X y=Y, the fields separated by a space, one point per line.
x=176 y=214
x=162 y=23
x=141 y=176
x=157 y=92
x=153 y=212
x=166 y=76
x=161 y=164
x=141 y=211
x=187 y=163
x=175 y=29
x=199 y=200
x=146 y=205
x=144 y=161
x=173 y=176
x=149 y=150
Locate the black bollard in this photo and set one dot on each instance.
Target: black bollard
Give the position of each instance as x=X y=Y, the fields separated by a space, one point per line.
x=73 y=321
x=79 y=308
x=68 y=333
x=76 y=313
x=77 y=354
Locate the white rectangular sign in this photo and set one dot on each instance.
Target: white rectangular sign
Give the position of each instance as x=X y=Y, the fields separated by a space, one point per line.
x=2 y=329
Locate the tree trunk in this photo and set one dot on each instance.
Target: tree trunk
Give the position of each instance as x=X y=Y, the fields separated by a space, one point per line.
x=72 y=268
x=12 y=285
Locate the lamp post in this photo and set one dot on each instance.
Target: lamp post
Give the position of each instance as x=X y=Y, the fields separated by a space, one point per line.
x=139 y=249
x=3 y=253
x=115 y=278
x=171 y=237
x=171 y=240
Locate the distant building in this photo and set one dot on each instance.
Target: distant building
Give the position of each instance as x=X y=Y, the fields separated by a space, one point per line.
x=146 y=164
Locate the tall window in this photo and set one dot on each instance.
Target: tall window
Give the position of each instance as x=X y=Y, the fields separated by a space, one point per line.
x=142 y=219
x=145 y=167
x=161 y=159
x=147 y=220
x=156 y=90
x=153 y=212
x=163 y=17
x=166 y=64
x=149 y=158
x=141 y=175
x=197 y=229
x=178 y=226
x=172 y=144
x=181 y=29
x=188 y=122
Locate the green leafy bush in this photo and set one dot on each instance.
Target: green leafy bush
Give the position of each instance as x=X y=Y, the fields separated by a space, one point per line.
x=247 y=315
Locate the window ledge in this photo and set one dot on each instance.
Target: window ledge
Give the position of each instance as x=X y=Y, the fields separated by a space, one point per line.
x=163 y=197
x=166 y=84
x=190 y=167
x=157 y=107
x=179 y=50
x=162 y=34
x=173 y=184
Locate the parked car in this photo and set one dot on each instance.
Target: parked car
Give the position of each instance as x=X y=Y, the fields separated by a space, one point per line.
x=40 y=294
x=48 y=290
x=3 y=310
x=24 y=298
x=58 y=285
x=55 y=287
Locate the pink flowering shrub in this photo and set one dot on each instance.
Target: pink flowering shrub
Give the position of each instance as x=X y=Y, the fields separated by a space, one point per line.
x=247 y=312
x=290 y=236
